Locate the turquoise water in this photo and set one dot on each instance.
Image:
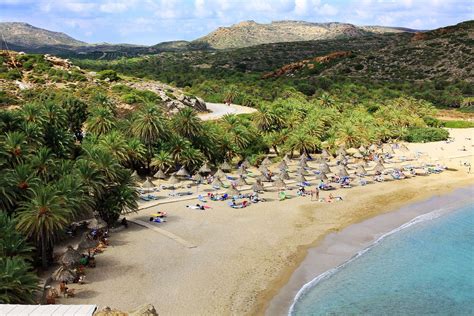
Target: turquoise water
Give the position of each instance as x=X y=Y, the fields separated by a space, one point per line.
x=426 y=268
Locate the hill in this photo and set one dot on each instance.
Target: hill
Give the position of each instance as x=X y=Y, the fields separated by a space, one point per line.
x=26 y=35
x=250 y=33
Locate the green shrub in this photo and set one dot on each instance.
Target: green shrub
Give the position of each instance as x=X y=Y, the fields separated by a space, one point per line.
x=111 y=74
x=426 y=134
x=458 y=124
x=432 y=122
x=129 y=98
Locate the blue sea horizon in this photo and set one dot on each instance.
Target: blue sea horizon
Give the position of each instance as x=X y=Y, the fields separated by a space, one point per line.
x=426 y=268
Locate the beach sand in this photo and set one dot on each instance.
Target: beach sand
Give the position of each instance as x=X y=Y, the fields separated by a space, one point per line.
x=244 y=256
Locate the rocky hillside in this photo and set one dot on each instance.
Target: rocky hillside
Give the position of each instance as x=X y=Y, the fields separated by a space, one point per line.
x=23 y=76
x=24 y=34
x=250 y=33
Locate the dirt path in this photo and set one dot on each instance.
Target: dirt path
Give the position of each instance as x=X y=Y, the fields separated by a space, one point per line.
x=218 y=110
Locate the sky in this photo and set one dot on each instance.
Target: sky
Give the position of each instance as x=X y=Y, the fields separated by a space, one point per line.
x=152 y=21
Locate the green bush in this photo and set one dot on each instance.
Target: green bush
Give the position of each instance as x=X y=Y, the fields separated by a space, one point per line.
x=458 y=124
x=426 y=134
x=111 y=74
x=432 y=122
x=129 y=98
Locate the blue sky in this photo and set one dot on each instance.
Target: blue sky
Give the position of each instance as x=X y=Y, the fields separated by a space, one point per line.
x=154 y=21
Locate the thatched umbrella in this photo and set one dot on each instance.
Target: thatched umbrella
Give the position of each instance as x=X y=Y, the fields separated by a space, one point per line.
x=358 y=155
x=148 y=185
x=303 y=156
x=173 y=180
x=63 y=274
x=87 y=243
x=352 y=151
x=362 y=149
x=232 y=191
x=263 y=169
x=373 y=147
x=198 y=179
x=282 y=165
x=182 y=172
x=321 y=176
x=265 y=177
x=160 y=174
x=241 y=181
x=266 y=162
x=343 y=172
x=324 y=167
x=388 y=149
x=257 y=187
x=340 y=157
x=279 y=183
x=217 y=183
x=205 y=168
x=341 y=151
x=379 y=167
x=303 y=163
x=302 y=171
x=97 y=223
x=70 y=258
x=242 y=171
x=245 y=163
x=219 y=174
x=325 y=154
x=286 y=159
x=361 y=169
x=300 y=178
x=225 y=166
x=284 y=175
x=135 y=176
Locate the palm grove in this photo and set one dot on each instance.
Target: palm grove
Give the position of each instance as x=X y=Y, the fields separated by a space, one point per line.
x=66 y=154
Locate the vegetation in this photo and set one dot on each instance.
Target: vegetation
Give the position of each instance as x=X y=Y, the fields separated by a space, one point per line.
x=458 y=124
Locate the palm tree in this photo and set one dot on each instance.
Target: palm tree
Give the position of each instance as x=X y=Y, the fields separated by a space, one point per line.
x=186 y=123
x=266 y=120
x=15 y=147
x=115 y=143
x=100 y=121
x=18 y=285
x=302 y=142
x=12 y=243
x=42 y=217
x=191 y=158
x=43 y=163
x=136 y=152
x=162 y=160
x=148 y=126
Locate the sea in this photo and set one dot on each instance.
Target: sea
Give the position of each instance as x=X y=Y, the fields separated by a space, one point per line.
x=425 y=267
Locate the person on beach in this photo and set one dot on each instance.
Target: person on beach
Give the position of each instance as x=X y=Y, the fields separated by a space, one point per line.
x=317 y=193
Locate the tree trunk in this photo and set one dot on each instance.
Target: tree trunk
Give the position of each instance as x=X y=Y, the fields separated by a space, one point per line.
x=44 y=259
x=275 y=149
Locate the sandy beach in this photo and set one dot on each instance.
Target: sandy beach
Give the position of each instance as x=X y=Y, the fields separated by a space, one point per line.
x=233 y=261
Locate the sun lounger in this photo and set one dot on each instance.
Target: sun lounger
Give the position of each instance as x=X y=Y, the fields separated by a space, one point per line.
x=201 y=198
x=282 y=196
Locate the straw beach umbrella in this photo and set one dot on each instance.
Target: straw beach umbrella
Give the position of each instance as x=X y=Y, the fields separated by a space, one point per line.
x=302 y=171
x=343 y=172
x=263 y=169
x=205 y=168
x=246 y=163
x=232 y=191
x=135 y=176
x=358 y=155
x=303 y=156
x=286 y=159
x=266 y=162
x=379 y=167
x=324 y=167
x=321 y=176
x=148 y=185
x=97 y=223
x=219 y=174
x=70 y=258
x=241 y=181
x=279 y=183
x=160 y=175
x=225 y=166
x=303 y=163
x=63 y=274
x=198 y=179
x=217 y=183
x=361 y=170
x=341 y=151
x=300 y=178
x=284 y=175
x=362 y=149
x=257 y=187
x=173 y=180
x=242 y=171
x=373 y=147
x=182 y=172
x=325 y=154
x=282 y=165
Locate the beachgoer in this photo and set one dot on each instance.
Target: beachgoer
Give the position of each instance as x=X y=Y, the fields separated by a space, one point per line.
x=317 y=194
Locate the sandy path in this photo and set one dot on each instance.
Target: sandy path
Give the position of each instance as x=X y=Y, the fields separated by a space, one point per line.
x=218 y=110
x=242 y=256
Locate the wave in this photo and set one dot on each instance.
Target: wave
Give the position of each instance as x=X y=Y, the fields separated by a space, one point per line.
x=419 y=219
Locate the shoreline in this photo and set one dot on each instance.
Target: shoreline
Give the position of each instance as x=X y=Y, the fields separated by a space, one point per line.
x=266 y=298
x=337 y=249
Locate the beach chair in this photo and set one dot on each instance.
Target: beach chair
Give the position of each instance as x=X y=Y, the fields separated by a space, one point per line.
x=282 y=196
x=201 y=198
